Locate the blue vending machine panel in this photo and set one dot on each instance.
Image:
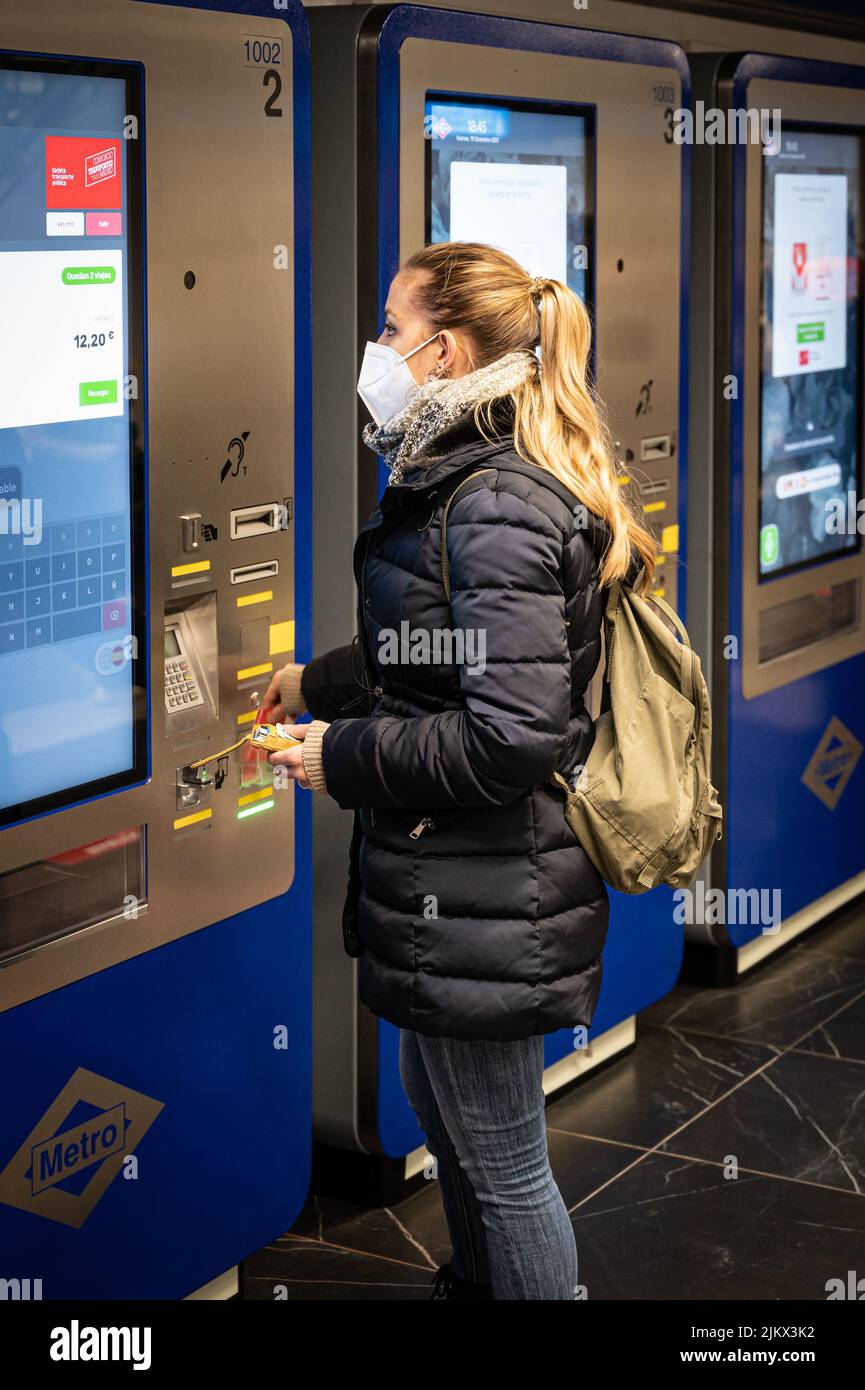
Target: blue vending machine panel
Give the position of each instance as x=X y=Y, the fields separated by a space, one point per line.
x=155 y=1127
x=795 y=786
x=644 y=946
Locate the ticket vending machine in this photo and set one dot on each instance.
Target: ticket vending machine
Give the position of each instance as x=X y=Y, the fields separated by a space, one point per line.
x=780 y=416
x=155 y=1026
x=554 y=143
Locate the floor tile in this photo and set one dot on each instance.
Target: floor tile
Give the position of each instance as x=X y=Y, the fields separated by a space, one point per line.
x=775 y=1005
x=670 y=1229
x=667 y=1079
x=802 y=1117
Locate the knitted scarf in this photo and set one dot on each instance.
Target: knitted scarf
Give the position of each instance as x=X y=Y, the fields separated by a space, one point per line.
x=407 y=438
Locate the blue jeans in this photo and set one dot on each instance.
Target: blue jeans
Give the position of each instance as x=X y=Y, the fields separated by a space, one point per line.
x=481 y=1106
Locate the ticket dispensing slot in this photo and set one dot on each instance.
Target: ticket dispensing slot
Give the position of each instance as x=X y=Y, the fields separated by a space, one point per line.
x=248 y=574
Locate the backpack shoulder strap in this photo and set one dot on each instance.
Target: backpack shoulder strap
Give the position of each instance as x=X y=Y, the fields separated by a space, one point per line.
x=672 y=615
x=446 y=569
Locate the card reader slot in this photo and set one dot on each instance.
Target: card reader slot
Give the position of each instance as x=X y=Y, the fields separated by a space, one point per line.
x=659 y=446
x=248 y=574
x=256 y=521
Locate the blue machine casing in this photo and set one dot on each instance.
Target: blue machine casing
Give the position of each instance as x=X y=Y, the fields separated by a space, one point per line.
x=225 y=1165
x=644 y=948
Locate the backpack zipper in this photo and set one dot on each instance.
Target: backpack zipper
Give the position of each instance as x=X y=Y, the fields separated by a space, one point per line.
x=427 y=823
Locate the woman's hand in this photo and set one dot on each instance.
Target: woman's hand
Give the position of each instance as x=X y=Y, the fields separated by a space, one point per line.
x=288 y=677
x=292 y=758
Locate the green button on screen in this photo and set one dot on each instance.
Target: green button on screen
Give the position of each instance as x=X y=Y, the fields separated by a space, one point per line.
x=810 y=332
x=97 y=393
x=89 y=275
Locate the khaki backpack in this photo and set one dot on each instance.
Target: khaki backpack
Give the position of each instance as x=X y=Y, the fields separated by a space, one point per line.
x=643 y=807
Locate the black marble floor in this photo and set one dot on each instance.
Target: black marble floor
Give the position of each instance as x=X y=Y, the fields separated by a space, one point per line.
x=766 y=1079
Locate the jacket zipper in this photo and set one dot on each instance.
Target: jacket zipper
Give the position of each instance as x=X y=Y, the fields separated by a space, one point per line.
x=427 y=823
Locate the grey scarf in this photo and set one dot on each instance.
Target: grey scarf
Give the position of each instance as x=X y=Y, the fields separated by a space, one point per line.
x=408 y=437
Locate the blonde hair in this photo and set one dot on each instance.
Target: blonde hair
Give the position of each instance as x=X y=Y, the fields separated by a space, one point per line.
x=559 y=423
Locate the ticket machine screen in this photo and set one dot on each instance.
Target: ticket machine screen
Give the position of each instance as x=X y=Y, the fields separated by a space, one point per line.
x=517 y=175
x=72 y=641
x=810 y=456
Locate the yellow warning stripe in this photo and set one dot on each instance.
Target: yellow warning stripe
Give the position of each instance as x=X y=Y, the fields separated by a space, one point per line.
x=654 y=506
x=246 y=599
x=248 y=671
x=282 y=637
x=198 y=567
x=255 y=796
x=183 y=821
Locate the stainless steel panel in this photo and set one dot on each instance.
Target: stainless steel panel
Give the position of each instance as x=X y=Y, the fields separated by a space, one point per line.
x=221 y=362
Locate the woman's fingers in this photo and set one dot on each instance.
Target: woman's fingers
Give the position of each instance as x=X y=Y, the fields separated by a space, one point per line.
x=292 y=760
x=272 y=695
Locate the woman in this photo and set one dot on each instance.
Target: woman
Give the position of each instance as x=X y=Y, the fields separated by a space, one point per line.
x=477 y=917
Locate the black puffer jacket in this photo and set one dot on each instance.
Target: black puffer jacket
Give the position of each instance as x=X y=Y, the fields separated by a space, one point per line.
x=478 y=913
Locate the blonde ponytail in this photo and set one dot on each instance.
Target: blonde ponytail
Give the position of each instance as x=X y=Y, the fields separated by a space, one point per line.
x=559 y=424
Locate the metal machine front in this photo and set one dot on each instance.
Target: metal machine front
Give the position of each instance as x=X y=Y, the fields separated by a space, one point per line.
x=542 y=140
x=786 y=623
x=154 y=551
x=147 y=413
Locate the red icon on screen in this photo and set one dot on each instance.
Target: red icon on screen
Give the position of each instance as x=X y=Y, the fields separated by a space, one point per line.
x=82 y=171
x=799 y=278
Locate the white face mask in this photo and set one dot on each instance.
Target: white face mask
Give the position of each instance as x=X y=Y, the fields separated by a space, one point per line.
x=385 y=384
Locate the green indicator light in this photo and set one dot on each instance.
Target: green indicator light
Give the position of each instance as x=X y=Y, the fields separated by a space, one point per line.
x=254 y=810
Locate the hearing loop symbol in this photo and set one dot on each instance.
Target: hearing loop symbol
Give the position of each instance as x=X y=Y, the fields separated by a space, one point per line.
x=235 y=452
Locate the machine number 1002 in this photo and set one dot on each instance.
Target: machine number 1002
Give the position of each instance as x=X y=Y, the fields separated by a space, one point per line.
x=262 y=53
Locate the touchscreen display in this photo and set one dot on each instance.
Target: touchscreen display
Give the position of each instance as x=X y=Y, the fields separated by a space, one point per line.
x=516 y=175
x=810 y=454
x=71 y=469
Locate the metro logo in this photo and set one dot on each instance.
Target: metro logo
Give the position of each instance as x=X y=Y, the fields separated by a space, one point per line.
x=56 y=1159
x=82 y=172
x=832 y=763
x=73 y=1154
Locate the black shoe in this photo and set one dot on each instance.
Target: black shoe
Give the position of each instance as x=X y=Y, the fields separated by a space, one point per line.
x=447 y=1284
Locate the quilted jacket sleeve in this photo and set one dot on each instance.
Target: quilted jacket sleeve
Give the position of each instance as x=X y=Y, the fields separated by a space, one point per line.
x=330 y=687
x=506 y=579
